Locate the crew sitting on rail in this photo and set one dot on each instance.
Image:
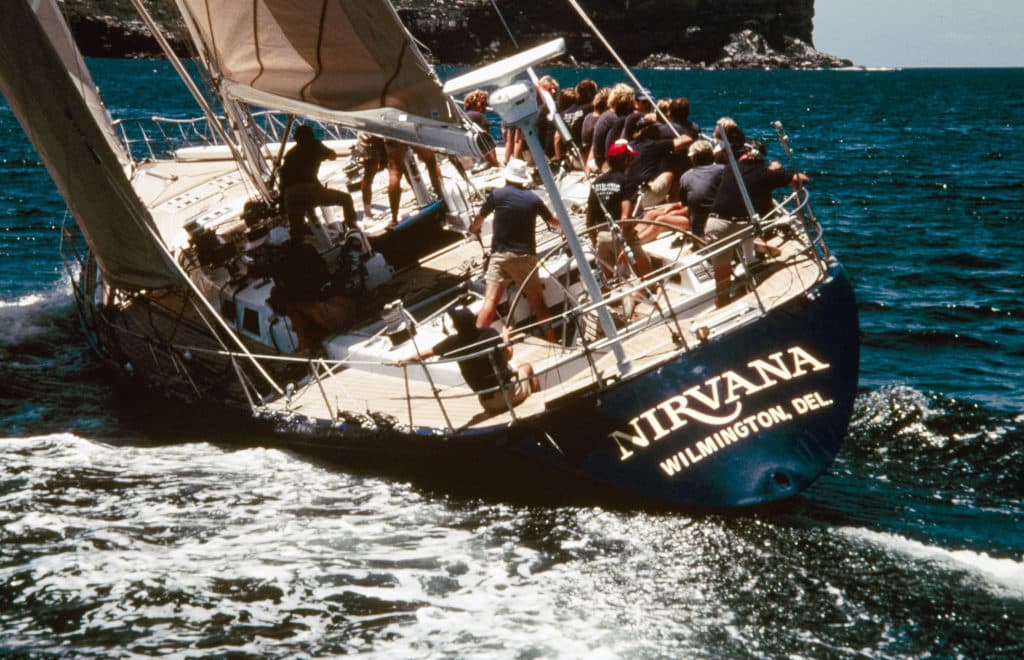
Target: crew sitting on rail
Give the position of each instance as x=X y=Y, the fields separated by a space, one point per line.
x=611 y=200
x=647 y=172
x=699 y=184
x=490 y=374
x=729 y=211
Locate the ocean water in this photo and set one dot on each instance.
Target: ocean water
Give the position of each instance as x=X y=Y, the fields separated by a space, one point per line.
x=125 y=533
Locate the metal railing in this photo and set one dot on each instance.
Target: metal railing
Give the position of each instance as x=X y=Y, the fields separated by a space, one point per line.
x=583 y=354
x=159 y=137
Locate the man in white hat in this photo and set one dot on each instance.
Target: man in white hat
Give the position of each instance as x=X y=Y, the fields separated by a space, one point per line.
x=513 y=244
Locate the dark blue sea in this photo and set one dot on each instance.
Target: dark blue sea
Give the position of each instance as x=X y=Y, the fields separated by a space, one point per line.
x=124 y=534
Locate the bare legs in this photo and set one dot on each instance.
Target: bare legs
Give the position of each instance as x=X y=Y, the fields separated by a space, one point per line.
x=525 y=372
x=534 y=298
x=396 y=168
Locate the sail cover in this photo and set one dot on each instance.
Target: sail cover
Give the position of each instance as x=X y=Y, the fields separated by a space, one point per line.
x=341 y=55
x=75 y=142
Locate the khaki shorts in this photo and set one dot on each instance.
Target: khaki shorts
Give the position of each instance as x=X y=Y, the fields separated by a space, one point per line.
x=608 y=249
x=717 y=228
x=656 y=191
x=720 y=227
x=495 y=401
x=509 y=267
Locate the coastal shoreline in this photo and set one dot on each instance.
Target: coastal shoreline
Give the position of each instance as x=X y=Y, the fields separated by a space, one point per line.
x=468 y=32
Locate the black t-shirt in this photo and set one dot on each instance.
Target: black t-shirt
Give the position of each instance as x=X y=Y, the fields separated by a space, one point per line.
x=629 y=126
x=649 y=155
x=760 y=182
x=301 y=271
x=573 y=118
x=302 y=163
x=478 y=371
x=677 y=162
x=587 y=133
x=480 y=119
x=515 y=210
x=665 y=131
x=614 y=132
x=610 y=188
x=697 y=189
x=602 y=127
x=546 y=130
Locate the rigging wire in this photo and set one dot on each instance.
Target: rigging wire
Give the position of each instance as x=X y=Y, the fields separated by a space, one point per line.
x=508 y=30
x=551 y=107
x=597 y=33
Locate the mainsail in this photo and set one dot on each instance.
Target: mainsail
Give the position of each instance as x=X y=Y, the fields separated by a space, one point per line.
x=62 y=115
x=347 y=61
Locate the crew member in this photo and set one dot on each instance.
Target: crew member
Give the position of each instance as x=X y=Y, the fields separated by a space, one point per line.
x=496 y=381
x=300 y=187
x=513 y=244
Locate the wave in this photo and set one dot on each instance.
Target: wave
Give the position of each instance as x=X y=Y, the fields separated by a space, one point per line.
x=1004 y=577
x=947 y=448
x=966 y=261
x=51 y=379
x=931 y=338
x=37 y=318
x=961 y=312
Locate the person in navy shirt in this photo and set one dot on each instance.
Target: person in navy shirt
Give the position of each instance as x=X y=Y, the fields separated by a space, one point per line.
x=301 y=190
x=513 y=244
x=483 y=358
x=729 y=211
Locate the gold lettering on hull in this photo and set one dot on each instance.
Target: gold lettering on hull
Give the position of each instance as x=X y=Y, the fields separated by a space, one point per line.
x=718 y=402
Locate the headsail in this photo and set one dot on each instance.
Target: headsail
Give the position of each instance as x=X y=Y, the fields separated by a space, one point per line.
x=52 y=22
x=59 y=113
x=348 y=61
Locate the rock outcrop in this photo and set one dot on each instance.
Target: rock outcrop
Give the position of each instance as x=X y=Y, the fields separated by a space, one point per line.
x=108 y=36
x=659 y=33
x=750 y=50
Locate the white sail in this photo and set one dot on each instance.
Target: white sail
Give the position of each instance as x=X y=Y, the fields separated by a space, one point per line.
x=348 y=61
x=56 y=28
x=63 y=117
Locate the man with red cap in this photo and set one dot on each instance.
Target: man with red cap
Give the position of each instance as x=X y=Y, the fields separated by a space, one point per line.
x=611 y=199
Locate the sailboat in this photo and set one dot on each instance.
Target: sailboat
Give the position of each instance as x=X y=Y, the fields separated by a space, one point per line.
x=650 y=389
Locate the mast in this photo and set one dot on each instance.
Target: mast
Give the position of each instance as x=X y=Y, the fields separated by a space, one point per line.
x=517 y=105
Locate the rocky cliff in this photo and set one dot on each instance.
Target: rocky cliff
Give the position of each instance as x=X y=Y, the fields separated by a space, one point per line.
x=662 y=33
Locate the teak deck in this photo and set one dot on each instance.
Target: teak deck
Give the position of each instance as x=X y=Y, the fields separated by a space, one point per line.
x=411 y=400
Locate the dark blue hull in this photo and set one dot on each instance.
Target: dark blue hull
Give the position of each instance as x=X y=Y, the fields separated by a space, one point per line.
x=753 y=416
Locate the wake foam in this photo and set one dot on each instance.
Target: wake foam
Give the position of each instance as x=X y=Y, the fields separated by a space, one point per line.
x=36 y=316
x=1004 y=577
